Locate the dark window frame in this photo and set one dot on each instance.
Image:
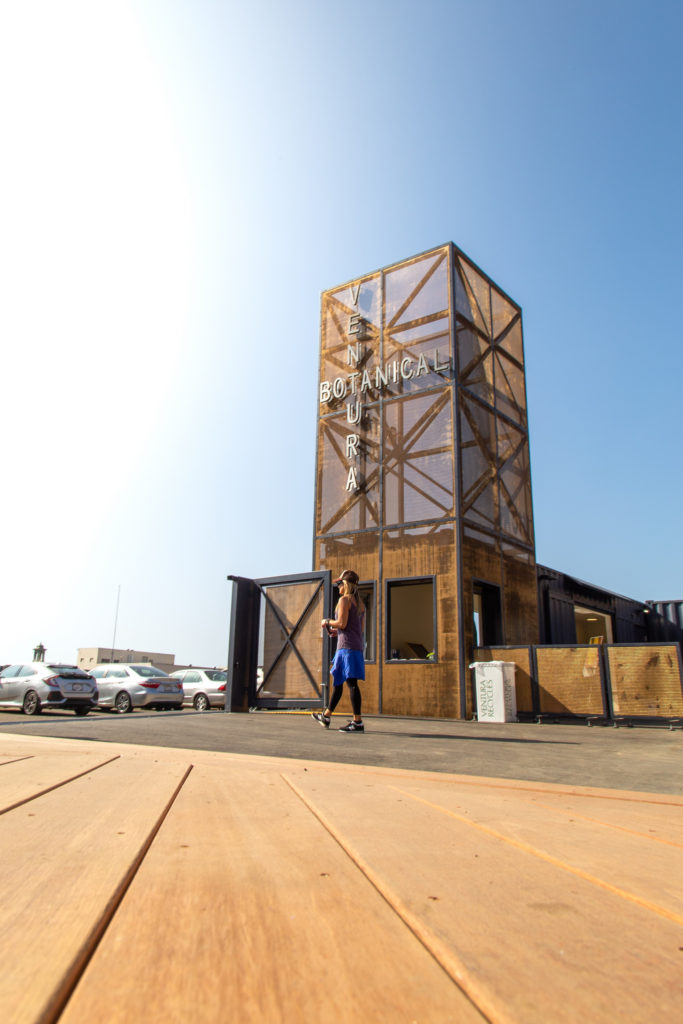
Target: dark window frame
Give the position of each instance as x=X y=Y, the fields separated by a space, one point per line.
x=371 y=585
x=407 y=581
x=492 y=619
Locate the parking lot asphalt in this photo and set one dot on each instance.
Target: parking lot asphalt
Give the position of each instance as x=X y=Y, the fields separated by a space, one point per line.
x=637 y=759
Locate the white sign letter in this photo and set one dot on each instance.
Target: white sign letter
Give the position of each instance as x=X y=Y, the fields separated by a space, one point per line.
x=352 y=480
x=439 y=367
x=352 y=441
x=406 y=368
x=357 y=325
x=353 y=354
x=353 y=411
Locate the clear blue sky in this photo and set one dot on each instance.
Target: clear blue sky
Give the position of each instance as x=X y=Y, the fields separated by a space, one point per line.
x=181 y=180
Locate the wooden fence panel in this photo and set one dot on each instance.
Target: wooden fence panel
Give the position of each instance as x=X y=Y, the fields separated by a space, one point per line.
x=611 y=680
x=645 y=681
x=569 y=681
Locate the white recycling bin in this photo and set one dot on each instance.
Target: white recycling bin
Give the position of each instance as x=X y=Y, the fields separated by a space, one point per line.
x=494 y=683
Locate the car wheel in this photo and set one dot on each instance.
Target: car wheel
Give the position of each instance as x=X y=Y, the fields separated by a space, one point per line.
x=201 y=702
x=31 y=705
x=123 y=704
x=81 y=712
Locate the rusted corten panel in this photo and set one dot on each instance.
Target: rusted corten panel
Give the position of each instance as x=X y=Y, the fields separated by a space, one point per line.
x=646 y=681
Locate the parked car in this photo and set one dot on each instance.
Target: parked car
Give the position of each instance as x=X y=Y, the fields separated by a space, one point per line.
x=124 y=687
x=37 y=685
x=204 y=687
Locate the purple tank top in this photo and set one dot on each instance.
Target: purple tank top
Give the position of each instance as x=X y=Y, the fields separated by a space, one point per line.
x=351 y=638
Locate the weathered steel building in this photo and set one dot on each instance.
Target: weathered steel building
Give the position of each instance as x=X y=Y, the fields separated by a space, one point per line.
x=423 y=487
x=423 y=481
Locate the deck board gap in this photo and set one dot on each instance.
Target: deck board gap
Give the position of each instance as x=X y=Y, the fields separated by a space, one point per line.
x=490 y=1008
x=58 y=785
x=57 y=1004
x=14 y=760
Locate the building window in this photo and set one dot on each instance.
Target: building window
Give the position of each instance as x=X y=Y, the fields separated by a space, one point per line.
x=592 y=627
x=411 y=620
x=366 y=592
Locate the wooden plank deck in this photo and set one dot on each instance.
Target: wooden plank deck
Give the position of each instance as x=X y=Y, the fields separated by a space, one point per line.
x=141 y=884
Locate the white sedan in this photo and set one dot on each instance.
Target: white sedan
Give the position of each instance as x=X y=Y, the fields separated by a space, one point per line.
x=204 y=687
x=124 y=687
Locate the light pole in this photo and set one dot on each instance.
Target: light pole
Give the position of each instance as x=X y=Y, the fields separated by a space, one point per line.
x=116 y=619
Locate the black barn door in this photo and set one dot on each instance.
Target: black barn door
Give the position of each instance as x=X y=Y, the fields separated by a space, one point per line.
x=278 y=657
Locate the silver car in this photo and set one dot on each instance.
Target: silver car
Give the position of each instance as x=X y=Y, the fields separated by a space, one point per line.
x=204 y=687
x=37 y=685
x=124 y=687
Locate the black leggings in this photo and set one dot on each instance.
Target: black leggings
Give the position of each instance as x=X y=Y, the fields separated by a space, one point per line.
x=354 y=694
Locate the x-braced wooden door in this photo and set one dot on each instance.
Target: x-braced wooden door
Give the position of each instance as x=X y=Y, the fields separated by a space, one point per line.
x=288 y=661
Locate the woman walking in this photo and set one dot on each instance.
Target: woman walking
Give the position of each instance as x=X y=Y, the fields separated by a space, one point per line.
x=348 y=665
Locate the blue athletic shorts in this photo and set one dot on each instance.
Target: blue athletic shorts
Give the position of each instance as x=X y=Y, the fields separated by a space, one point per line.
x=347 y=665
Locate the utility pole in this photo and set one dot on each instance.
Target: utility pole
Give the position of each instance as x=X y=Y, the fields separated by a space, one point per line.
x=116 y=619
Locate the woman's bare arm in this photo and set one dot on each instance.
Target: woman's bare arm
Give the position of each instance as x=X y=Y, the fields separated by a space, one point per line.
x=342 y=614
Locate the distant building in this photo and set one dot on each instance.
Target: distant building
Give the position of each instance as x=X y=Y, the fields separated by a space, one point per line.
x=572 y=611
x=88 y=657
x=672 y=611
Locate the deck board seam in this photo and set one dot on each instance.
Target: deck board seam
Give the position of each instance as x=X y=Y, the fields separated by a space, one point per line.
x=66 y=988
x=571 y=815
x=517 y=786
x=490 y=1008
x=549 y=858
x=58 y=785
x=552 y=789
x=15 y=760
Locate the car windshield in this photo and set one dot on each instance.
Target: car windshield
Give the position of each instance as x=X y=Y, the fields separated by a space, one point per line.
x=216 y=676
x=147 y=670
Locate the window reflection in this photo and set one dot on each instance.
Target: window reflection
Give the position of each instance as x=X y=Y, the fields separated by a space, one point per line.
x=411 y=620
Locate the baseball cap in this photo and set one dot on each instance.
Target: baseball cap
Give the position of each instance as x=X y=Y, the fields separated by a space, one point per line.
x=349 y=576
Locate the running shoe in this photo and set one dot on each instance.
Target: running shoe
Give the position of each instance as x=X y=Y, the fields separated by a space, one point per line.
x=353 y=727
x=322 y=719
